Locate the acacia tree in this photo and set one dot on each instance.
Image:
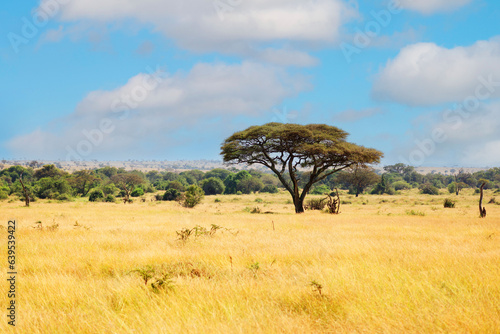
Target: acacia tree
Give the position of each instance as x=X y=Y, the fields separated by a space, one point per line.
x=358 y=178
x=128 y=182
x=284 y=148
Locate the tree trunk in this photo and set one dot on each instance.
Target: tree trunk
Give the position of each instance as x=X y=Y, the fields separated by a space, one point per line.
x=299 y=204
x=482 y=210
x=25 y=191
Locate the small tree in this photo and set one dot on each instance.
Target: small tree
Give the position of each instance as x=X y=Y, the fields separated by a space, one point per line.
x=25 y=191
x=192 y=196
x=127 y=182
x=358 y=178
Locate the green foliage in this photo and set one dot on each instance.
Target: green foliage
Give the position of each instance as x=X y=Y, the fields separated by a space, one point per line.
x=249 y=185
x=64 y=198
x=192 y=196
x=96 y=195
x=212 y=186
x=51 y=188
x=269 y=188
x=429 y=189
x=110 y=199
x=401 y=185
x=175 y=185
x=172 y=195
x=219 y=173
x=109 y=189
x=320 y=190
x=4 y=195
x=138 y=192
x=448 y=203
x=452 y=188
x=382 y=188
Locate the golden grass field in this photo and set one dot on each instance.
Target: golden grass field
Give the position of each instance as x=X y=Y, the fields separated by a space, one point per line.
x=381 y=268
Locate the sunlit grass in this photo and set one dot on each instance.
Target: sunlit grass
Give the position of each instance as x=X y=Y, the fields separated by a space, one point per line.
x=381 y=270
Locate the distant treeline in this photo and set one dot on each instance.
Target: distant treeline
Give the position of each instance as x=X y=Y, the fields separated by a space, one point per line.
x=108 y=183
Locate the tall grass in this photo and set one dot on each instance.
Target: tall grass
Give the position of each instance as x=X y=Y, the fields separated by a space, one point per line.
x=378 y=269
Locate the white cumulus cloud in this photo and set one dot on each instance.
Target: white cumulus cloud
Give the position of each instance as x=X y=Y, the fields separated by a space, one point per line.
x=426 y=74
x=150 y=109
x=224 y=25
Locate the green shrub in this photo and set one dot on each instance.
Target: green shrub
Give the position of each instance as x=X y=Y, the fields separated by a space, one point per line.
x=171 y=195
x=213 y=186
x=401 y=185
x=316 y=204
x=193 y=196
x=110 y=199
x=429 y=189
x=137 y=192
x=3 y=195
x=448 y=203
x=64 y=197
x=96 y=195
x=271 y=189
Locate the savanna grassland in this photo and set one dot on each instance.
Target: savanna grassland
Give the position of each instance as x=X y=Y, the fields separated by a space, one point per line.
x=386 y=264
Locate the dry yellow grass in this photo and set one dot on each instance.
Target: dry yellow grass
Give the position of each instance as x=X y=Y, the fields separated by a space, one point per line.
x=382 y=270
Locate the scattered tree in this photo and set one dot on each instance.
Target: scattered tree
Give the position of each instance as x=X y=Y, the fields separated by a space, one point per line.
x=127 y=182
x=283 y=148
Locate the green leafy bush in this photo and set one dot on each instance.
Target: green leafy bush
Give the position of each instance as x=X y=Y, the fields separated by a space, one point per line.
x=401 y=185
x=448 y=203
x=96 y=195
x=110 y=199
x=171 y=195
x=429 y=189
x=193 y=196
x=137 y=192
x=213 y=186
x=271 y=189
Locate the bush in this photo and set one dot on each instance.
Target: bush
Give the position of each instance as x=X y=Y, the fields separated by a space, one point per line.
x=271 y=189
x=171 y=195
x=3 y=195
x=137 y=192
x=110 y=199
x=213 y=186
x=193 y=196
x=316 y=204
x=96 y=195
x=401 y=185
x=429 y=189
x=452 y=188
x=64 y=197
x=448 y=203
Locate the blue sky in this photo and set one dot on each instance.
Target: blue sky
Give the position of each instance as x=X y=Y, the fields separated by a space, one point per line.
x=170 y=80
